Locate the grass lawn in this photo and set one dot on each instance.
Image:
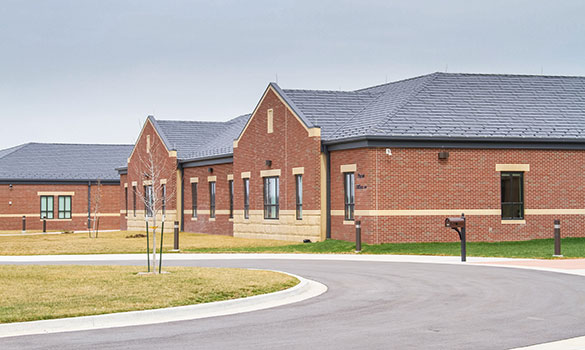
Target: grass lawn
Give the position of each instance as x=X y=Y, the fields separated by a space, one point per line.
x=32 y=292
x=116 y=242
x=539 y=248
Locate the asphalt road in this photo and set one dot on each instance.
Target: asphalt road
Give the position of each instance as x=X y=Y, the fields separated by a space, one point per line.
x=369 y=305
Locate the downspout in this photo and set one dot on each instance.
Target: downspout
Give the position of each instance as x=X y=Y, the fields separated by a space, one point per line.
x=88 y=205
x=328 y=190
x=182 y=197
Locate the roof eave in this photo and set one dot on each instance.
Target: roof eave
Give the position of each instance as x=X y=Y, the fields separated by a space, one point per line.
x=454 y=142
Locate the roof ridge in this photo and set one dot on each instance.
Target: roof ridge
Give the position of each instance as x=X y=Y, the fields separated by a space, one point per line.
x=513 y=75
x=397 y=81
x=12 y=149
x=376 y=99
x=416 y=91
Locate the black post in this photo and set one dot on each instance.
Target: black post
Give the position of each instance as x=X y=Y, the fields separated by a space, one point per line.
x=558 y=239
x=23 y=224
x=463 y=240
x=162 y=233
x=176 y=243
x=358 y=236
x=44 y=225
x=147 y=248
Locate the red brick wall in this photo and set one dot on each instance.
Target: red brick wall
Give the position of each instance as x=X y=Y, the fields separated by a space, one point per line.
x=288 y=146
x=222 y=225
x=414 y=179
x=137 y=165
x=25 y=201
x=123 y=203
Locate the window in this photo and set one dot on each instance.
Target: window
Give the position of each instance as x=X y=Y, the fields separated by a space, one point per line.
x=349 y=187
x=164 y=198
x=246 y=198
x=134 y=200
x=64 y=207
x=231 y=187
x=271 y=197
x=46 y=207
x=194 y=198
x=299 y=190
x=212 y=199
x=512 y=195
x=148 y=200
x=126 y=198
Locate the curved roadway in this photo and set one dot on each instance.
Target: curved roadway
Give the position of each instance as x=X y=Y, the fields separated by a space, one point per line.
x=369 y=305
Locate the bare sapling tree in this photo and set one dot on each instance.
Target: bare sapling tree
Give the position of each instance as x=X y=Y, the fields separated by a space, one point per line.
x=97 y=201
x=155 y=168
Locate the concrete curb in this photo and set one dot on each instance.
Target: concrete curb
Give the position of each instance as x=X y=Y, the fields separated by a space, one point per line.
x=304 y=290
x=567 y=344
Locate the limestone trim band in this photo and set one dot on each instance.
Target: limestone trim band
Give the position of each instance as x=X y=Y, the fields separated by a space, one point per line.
x=512 y=167
x=37 y=215
x=55 y=193
x=457 y=212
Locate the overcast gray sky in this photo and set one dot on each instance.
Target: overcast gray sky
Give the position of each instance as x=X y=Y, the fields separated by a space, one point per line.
x=91 y=71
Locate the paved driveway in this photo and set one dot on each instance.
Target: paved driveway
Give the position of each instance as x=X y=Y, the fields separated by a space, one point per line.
x=369 y=305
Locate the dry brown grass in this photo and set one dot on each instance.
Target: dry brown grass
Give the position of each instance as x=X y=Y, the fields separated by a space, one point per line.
x=116 y=242
x=32 y=292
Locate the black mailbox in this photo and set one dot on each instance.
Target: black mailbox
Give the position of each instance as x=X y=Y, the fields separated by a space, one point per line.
x=454 y=222
x=458 y=225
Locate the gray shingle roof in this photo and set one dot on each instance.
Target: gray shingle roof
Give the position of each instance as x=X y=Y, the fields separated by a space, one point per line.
x=64 y=162
x=452 y=105
x=196 y=139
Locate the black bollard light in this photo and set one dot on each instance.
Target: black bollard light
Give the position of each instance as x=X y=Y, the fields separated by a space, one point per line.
x=176 y=243
x=23 y=224
x=558 y=239
x=358 y=236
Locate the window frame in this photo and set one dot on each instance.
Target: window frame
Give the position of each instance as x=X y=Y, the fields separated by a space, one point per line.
x=47 y=212
x=134 y=200
x=148 y=201
x=246 y=182
x=194 y=199
x=299 y=196
x=231 y=193
x=212 y=193
x=268 y=206
x=66 y=213
x=521 y=203
x=349 y=203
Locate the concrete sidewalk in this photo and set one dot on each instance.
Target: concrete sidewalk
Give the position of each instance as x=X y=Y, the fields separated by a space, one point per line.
x=568 y=266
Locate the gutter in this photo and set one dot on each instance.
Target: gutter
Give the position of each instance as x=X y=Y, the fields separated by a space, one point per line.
x=455 y=142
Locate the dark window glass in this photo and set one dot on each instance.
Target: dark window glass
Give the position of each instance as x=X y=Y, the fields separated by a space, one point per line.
x=349 y=187
x=164 y=198
x=64 y=207
x=194 y=199
x=231 y=186
x=134 y=200
x=148 y=197
x=246 y=198
x=46 y=207
x=512 y=196
x=299 y=191
x=126 y=199
x=212 y=199
x=271 y=197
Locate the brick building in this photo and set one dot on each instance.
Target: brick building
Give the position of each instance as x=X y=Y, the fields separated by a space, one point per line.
x=506 y=150
x=59 y=182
